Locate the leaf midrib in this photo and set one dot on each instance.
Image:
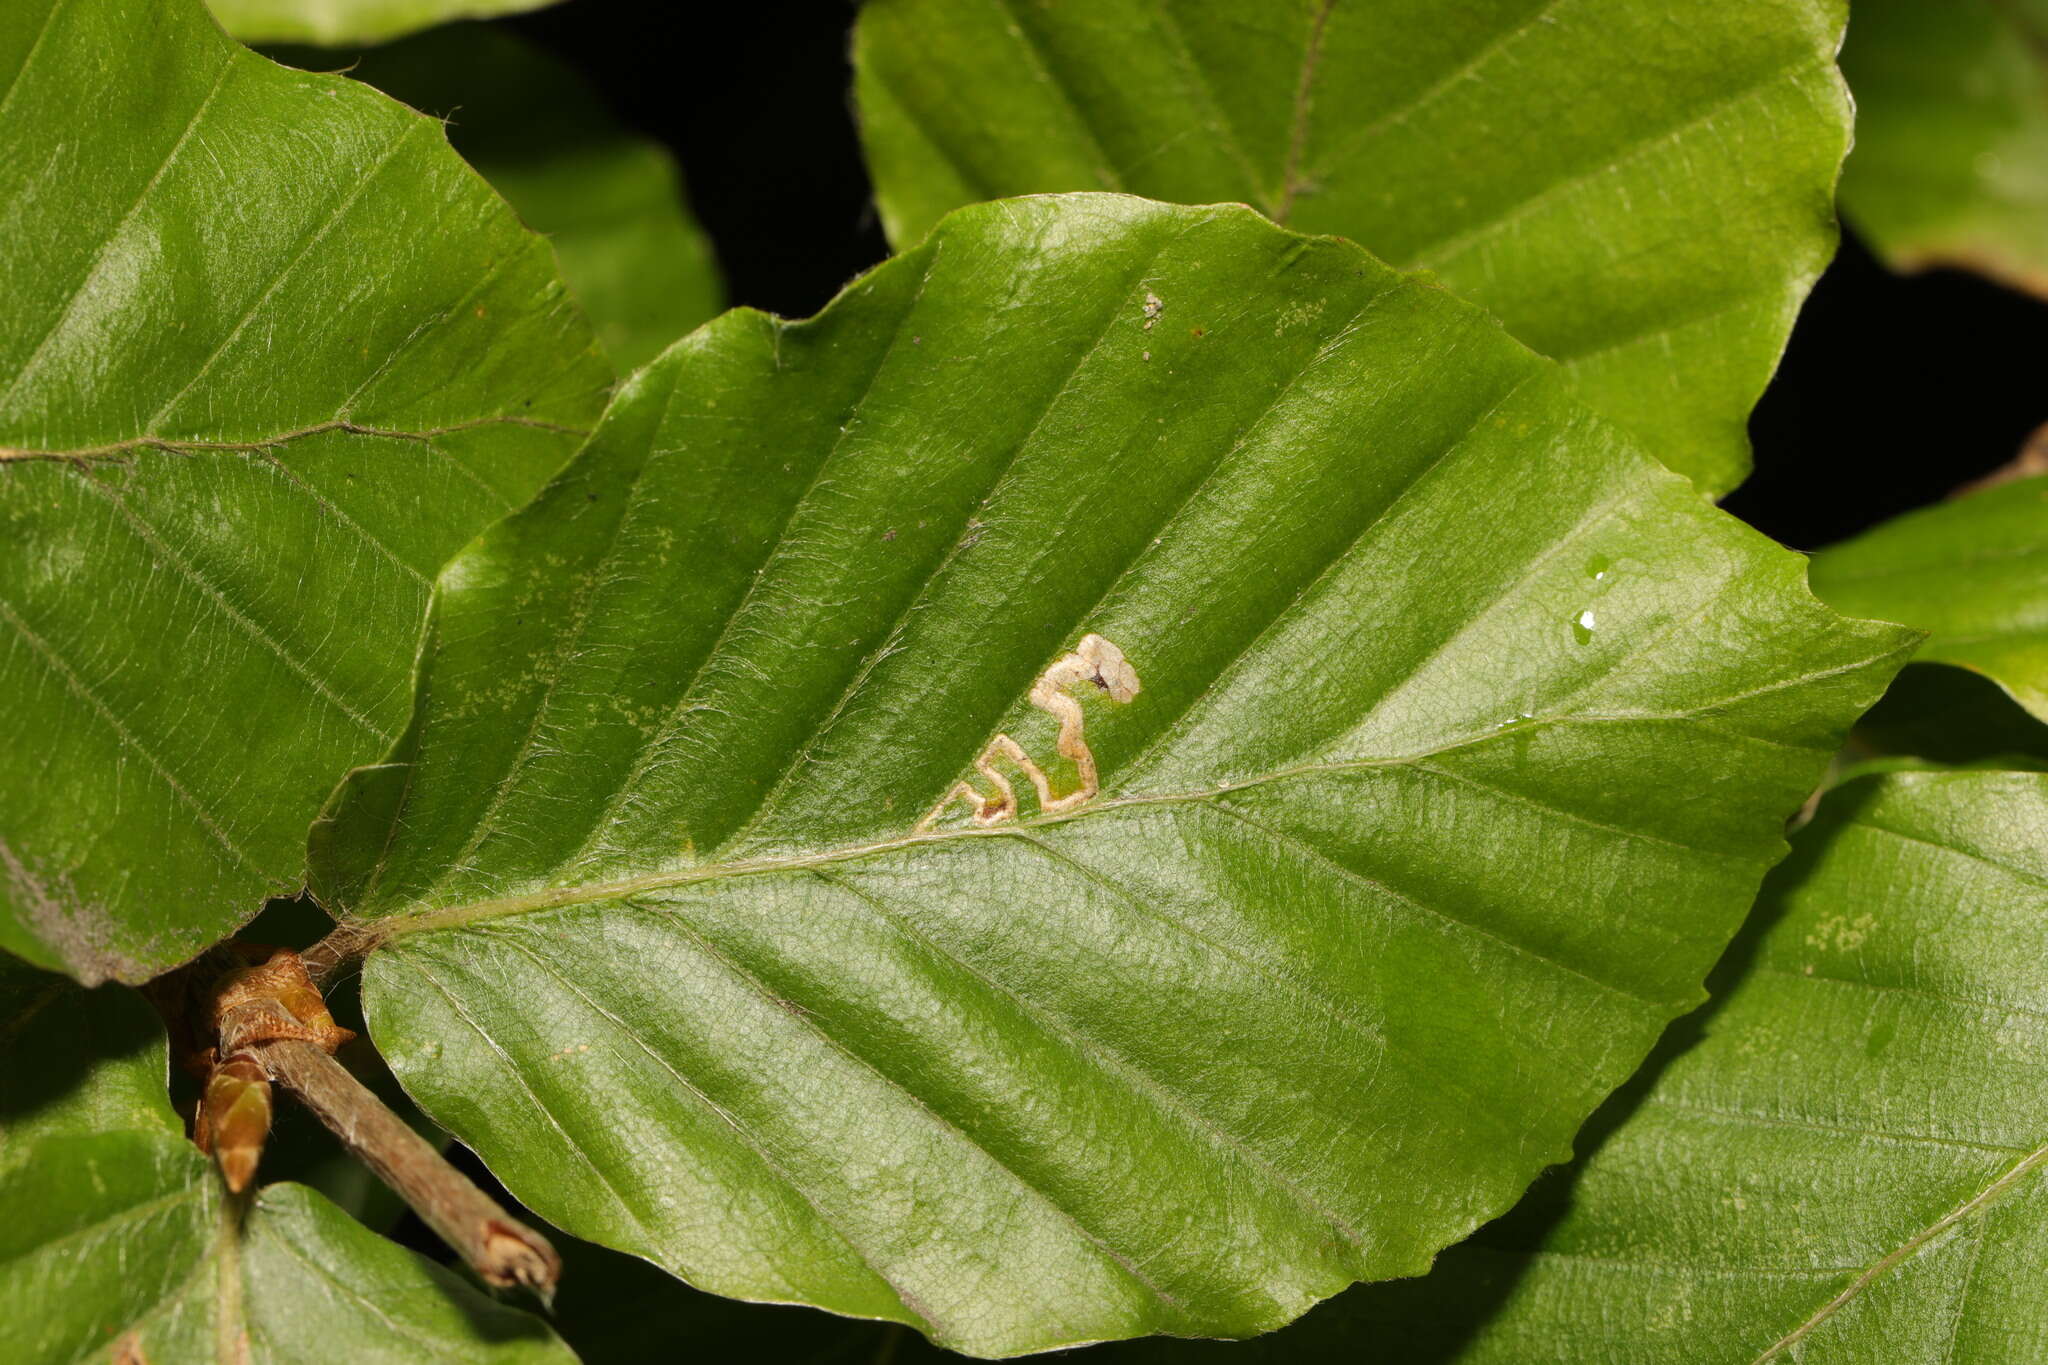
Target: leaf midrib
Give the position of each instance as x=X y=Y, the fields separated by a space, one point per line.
x=2018 y=1172
x=1292 y=180
x=115 y=450
x=359 y=936
x=1905 y=1251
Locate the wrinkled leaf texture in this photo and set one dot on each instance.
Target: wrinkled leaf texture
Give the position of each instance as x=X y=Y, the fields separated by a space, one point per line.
x=270 y=354
x=1643 y=192
x=1465 y=735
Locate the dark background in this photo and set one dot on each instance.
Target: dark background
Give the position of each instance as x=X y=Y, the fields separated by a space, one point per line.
x=1894 y=390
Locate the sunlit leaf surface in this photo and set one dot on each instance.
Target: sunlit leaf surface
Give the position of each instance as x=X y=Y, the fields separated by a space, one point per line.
x=1441 y=738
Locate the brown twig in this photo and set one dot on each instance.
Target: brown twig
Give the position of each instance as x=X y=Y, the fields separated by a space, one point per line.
x=250 y=1016
x=345 y=943
x=500 y=1248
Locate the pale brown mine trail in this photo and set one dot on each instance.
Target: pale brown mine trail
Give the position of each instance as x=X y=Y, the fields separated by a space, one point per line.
x=1095 y=661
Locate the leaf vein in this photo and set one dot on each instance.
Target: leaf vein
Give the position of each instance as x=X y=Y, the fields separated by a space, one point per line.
x=340 y=210
x=1291 y=183
x=1219 y=122
x=1189 y=712
x=241 y=620
x=655 y=743
x=1492 y=48
x=329 y=508
x=731 y=1120
x=34 y=47
x=1755 y=1120
x=99 y=257
x=811 y=1022
x=540 y=1106
x=1432 y=255
x=891 y=636
x=115 y=450
x=105 y=713
x=1105 y=168
x=1310 y=850
x=1905 y=1251
x=1109 y=1060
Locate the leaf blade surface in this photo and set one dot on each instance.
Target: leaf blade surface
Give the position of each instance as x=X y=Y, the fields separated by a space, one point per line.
x=1643 y=198
x=1972 y=571
x=677 y=925
x=1842 y=1161
x=272 y=353
x=117 y=1240
x=338 y=23
x=608 y=200
x=1952 y=136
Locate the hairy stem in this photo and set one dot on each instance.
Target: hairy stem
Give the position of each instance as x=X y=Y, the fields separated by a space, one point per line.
x=344 y=944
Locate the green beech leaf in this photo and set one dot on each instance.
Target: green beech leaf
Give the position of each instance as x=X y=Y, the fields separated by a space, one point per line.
x=1972 y=571
x=270 y=354
x=335 y=23
x=1841 y=1161
x=127 y=1240
x=1951 y=160
x=1642 y=196
x=1950 y=717
x=76 y=1061
x=609 y=200
x=115 y=1233
x=1461 y=736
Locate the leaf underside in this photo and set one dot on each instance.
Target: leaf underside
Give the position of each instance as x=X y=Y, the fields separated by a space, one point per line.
x=232 y=454
x=1950 y=717
x=1644 y=197
x=1462 y=738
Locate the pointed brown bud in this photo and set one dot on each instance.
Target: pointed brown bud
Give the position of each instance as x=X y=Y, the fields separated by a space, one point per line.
x=236 y=1112
x=276 y=975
